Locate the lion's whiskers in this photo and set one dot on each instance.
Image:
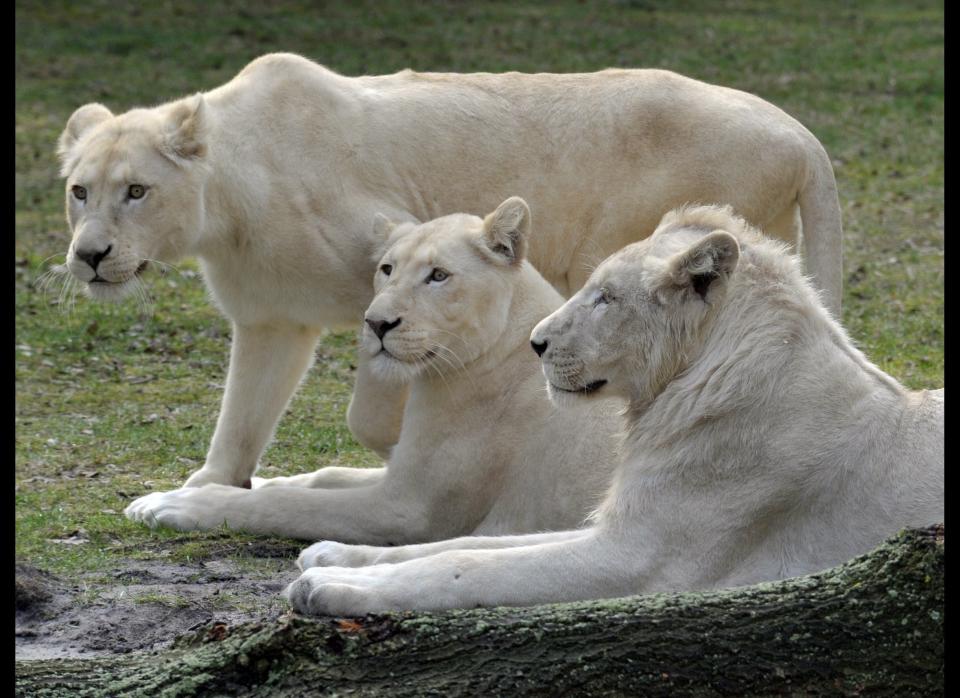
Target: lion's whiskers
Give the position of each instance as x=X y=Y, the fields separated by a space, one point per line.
x=449 y=349
x=47 y=259
x=435 y=369
x=68 y=293
x=591 y=260
x=444 y=353
x=144 y=301
x=164 y=266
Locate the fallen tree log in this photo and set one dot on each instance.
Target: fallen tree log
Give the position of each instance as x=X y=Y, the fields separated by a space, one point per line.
x=872 y=625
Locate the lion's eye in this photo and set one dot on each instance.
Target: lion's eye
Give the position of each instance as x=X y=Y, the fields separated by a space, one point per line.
x=386 y=269
x=136 y=191
x=437 y=276
x=79 y=192
x=604 y=297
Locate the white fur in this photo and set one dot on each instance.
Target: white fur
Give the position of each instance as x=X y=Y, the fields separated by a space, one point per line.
x=273 y=181
x=482 y=450
x=761 y=444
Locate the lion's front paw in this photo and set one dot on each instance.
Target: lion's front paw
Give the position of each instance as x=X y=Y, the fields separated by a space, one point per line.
x=328 y=553
x=184 y=509
x=332 y=592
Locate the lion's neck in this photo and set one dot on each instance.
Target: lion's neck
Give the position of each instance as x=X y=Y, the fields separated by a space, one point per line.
x=757 y=378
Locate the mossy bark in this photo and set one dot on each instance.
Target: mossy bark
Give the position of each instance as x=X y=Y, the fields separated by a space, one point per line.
x=873 y=625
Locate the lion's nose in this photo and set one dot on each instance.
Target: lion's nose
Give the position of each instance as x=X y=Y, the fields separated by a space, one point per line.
x=539 y=347
x=381 y=327
x=93 y=257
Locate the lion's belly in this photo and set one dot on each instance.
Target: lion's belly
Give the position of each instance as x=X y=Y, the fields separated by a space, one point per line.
x=251 y=299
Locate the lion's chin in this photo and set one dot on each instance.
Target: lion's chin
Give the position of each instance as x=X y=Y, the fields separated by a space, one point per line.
x=567 y=395
x=389 y=368
x=111 y=291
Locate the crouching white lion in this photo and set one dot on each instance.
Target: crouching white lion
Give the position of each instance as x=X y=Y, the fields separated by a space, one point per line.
x=273 y=181
x=761 y=443
x=482 y=449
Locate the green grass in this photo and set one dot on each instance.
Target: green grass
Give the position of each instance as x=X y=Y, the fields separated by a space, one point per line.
x=161 y=599
x=113 y=402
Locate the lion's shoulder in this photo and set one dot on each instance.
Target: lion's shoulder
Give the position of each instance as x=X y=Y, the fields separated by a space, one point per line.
x=282 y=63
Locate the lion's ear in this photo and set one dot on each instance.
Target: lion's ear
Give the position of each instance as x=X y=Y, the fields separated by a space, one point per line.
x=505 y=230
x=81 y=121
x=186 y=129
x=386 y=232
x=382 y=226
x=383 y=229
x=706 y=265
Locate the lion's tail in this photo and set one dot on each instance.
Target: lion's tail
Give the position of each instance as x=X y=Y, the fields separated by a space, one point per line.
x=823 y=230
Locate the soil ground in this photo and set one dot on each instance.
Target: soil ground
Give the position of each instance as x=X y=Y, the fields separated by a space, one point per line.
x=145 y=604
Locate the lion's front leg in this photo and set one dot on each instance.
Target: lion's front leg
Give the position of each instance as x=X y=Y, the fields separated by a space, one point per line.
x=375 y=413
x=329 y=553
x=266 y=364
x=587 y=567
x=378 y=515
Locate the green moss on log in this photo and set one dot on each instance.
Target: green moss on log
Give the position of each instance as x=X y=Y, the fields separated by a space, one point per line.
x=873 y=625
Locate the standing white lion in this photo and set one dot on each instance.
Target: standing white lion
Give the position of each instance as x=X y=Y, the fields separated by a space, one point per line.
x=761 y=444
x=273 y=181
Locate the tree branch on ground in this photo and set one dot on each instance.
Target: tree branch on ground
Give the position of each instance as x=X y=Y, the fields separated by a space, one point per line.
x=872 y=625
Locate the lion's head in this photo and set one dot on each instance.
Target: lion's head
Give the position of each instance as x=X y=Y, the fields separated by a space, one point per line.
x=134 y=188
x=645 y=309
x=443 y=290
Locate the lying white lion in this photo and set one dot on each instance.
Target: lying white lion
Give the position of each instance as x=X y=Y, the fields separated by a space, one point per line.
x=761 y=443
x=482 y=449
x=273 y=181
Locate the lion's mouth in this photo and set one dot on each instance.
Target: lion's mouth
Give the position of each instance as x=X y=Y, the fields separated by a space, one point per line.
x=386 y=352
x=585 y=390
x=97 y=279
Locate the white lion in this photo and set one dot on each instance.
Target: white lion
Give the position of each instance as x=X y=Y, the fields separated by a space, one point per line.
x=273 y=181
x=482 y=448
x=761 y=444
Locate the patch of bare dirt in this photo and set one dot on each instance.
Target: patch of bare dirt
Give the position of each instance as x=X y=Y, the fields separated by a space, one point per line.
x=145 y=606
